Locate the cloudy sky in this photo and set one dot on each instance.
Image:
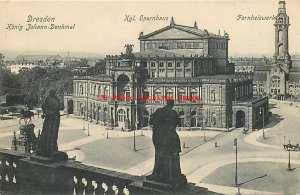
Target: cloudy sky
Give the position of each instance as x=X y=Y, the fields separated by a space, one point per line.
x=100 y=26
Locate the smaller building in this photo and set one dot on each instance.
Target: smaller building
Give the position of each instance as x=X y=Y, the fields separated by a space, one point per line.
x=23 y=62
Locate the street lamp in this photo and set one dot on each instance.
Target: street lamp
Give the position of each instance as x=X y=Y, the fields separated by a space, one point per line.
x=289 y=163
x=106 y=132
x=262 y=111
x=204 y=126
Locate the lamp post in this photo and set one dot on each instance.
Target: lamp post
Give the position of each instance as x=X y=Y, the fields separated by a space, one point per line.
x=204 y=138
x=289 y=163
x=106 y=132
x=135 y=128
x=262 y=111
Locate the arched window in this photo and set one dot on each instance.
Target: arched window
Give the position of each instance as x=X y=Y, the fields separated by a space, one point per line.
x=169 y=94
x=99 y=91
x=81 y=89
x=261 y=88
x=193 y=118
x=275 y=83
x=213 y=119
x=181 y=94
x=181 y=119
x=213 y=95
x=194 y=95
x=157 y=94
x=106 y=91
x=146 y=94
x=94 y=92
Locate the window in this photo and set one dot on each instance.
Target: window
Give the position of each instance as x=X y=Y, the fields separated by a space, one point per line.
x=178 y=64
x=180 y=45
x=152 y=64
x=95 y=87
x=121 y=115
x=81 y=89
x=146 y=94
x=181 y=119
x=99 y=91
x=194 y=95
x=213 y=95
x=193 y=118
x=181 y=94
x=188 y=45
x=275 y=81
x=161 y=64
x=157 y=94
x=170 y=64
x=169 y=94
x=196 y=45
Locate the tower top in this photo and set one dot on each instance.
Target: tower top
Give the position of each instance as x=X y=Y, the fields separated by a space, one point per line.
x=281 y=7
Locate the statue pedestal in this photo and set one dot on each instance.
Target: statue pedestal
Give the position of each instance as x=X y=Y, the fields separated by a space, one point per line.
x=55 y=157
x=45 y=173
x=177 y=184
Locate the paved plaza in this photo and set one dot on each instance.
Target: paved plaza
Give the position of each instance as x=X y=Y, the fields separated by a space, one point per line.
x=203 y=163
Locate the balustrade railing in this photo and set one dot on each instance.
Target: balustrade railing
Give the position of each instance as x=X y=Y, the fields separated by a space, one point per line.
x=9 y=173
x=30 y=175
x=70 y=177
x=87 y=180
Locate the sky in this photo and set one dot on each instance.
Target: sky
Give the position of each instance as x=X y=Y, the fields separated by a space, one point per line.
x=100 y=26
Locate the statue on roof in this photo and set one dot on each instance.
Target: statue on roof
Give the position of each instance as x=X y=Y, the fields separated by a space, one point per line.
x=195 y=25
x=172 y=21
x=129 y=48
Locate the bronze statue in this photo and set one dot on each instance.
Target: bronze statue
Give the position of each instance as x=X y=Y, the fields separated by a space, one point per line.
x=48 y=139
x=167 y=147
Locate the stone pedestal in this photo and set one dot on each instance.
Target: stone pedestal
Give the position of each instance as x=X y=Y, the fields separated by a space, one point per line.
x=44 y=173
x=26 y=140
x=178 y=183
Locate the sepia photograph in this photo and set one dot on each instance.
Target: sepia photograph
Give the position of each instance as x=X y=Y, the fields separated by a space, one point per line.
x=150 y=97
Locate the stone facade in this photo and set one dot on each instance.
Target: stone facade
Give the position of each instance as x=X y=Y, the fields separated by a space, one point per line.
x=170 y=64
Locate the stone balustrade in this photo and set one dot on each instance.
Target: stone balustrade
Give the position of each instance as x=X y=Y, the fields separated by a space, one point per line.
x=29 y=174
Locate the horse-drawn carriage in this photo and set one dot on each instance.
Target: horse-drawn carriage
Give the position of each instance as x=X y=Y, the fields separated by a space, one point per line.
x=291 y=147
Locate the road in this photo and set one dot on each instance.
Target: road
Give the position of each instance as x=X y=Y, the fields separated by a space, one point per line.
x=199 y=159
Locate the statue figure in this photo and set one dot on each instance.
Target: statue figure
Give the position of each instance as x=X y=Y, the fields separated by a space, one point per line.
x=129 y=49
x=167 y=147
x=48 y=139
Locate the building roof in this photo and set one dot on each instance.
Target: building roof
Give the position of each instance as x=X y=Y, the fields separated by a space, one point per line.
x=260 y=76
x=295 y=69
x=188 y=32
x=294 y=77
x=204 y=78
x=263 y=68
x=37 y=57
x=168 y=53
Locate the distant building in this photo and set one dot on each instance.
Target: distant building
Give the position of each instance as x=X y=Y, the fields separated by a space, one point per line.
x=278 y=77
x=184 y=63
x=30 y=61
